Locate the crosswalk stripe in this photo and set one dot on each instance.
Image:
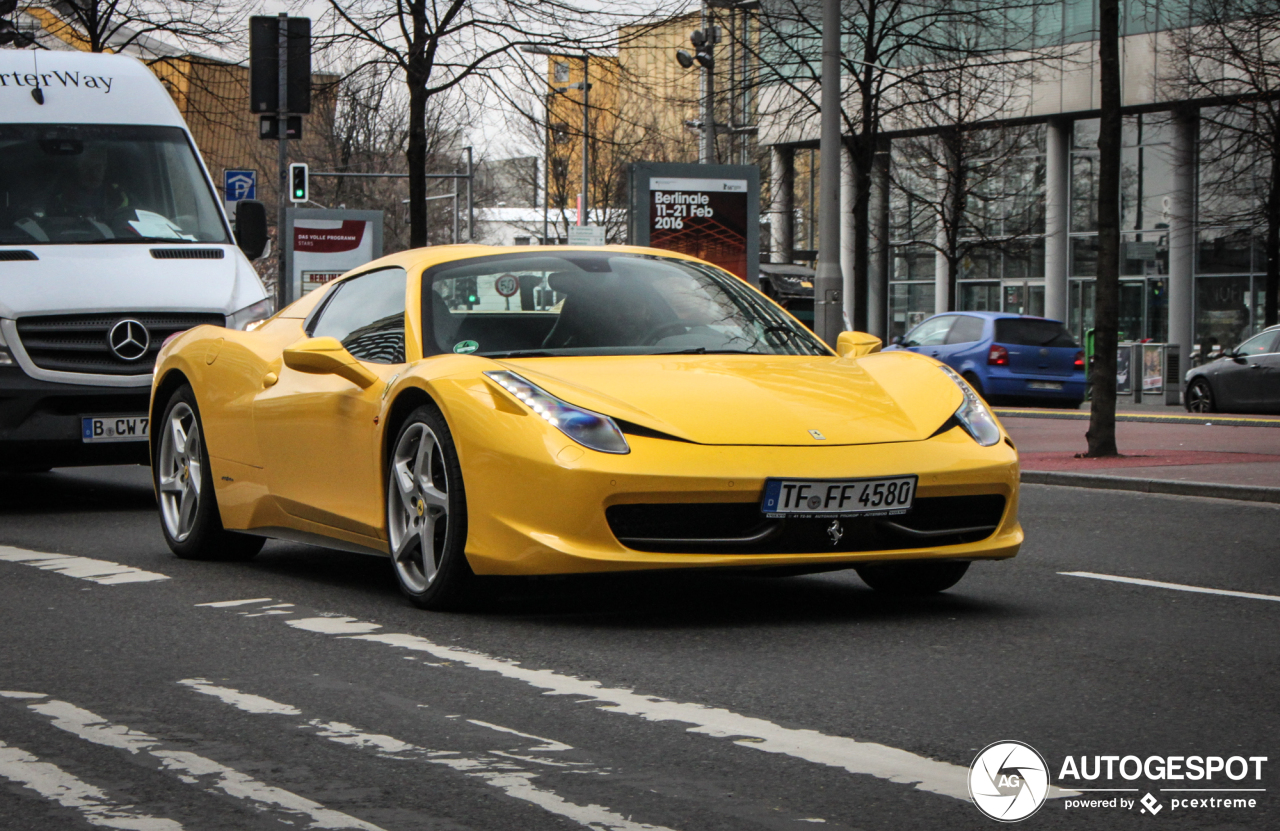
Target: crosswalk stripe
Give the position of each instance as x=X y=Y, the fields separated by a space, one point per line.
x=54 y=783
x=194 y=769
x=103 y=572
x=500 y=773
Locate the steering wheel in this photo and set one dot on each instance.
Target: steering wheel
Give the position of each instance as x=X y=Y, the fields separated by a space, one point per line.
x=664 y=330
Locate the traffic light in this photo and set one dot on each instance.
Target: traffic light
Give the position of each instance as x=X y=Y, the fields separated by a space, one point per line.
x=298 y=183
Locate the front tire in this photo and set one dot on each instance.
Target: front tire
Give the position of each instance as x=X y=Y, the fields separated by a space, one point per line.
x=1200 y=397
x=427 y=514
x=189 y=514
x=913 y=577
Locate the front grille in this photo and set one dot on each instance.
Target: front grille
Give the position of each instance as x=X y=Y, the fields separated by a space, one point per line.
x=741 y=528
x=78 y=343
x=187 y=253
x=10 y=255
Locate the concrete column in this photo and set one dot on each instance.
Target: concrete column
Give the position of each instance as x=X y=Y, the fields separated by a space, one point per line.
x=879 y=256
x=1182 y=238
x=848 y=234
x=1057 y=218
x=782 y=215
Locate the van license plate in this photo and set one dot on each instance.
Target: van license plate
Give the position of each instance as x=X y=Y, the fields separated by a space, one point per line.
x=114 y=428
x=838 y=497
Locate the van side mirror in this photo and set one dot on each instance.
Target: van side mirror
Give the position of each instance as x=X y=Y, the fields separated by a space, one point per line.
x=856 y=344
x=327 y=356
x=251 y=227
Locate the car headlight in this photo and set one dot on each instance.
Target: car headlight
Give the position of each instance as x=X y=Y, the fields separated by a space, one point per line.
x=973 y=415
x=251 y=317
x=589 y=429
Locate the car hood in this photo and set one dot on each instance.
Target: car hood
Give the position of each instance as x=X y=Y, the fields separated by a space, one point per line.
x=758 y=399
x=73 y=279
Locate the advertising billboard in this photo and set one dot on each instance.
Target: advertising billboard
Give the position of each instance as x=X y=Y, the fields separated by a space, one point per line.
x=707 y=211
x=325 y=244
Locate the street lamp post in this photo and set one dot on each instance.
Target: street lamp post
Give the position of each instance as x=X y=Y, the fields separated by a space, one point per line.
x=585 y=86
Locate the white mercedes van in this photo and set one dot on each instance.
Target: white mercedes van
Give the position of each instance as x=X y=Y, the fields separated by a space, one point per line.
x=112 y=238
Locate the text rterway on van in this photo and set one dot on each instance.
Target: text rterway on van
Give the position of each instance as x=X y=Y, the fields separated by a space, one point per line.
x=48 y=79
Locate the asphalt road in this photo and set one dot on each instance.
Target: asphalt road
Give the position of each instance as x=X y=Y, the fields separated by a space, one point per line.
x=681 y=702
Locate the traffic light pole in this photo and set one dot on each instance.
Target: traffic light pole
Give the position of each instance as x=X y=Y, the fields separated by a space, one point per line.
x=708 y=150
x=282 y=158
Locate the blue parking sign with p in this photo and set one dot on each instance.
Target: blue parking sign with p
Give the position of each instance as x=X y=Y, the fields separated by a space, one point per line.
x=239 y=184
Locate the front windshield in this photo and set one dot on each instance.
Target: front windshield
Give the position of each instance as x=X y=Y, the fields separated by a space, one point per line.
x=86 y=183
x=599 y=303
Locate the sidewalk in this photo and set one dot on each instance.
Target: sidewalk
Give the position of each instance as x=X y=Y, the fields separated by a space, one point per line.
x=1164 y=450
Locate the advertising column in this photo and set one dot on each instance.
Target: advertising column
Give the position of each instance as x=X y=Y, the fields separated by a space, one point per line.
x=326 y=244
x=707 y=211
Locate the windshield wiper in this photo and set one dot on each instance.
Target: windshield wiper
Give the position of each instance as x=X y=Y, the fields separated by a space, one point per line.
x=702 y=350
x=527 y=353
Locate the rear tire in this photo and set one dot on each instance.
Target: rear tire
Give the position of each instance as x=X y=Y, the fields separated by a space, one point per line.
x=913 y=577
x=189 y=514
x=1199 y=397
x=427 y=514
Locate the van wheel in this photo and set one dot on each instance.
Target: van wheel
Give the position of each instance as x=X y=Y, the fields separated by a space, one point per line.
x=913 y=576
x=184 y=485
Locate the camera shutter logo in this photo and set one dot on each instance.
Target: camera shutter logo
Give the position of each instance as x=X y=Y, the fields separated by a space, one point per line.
x=1008 y=781
x=128 y=339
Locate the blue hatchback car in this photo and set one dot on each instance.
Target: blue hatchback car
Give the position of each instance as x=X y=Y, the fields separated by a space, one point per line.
x=1005 y=356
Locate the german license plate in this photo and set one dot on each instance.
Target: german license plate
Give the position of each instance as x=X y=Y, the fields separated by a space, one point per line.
x=114 y=428
x=838 y=497
x=1044 y=385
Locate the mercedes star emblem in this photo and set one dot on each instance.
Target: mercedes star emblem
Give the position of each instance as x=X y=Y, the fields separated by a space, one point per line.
x=128 y=339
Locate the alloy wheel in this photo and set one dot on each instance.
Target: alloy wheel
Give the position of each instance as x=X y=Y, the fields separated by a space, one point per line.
x=1199 y=398
x=181 y=471
x=417 y=507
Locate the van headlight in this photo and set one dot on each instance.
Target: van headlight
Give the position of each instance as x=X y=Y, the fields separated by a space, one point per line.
x=247 y=317
x=974 y=416
x=587 y=428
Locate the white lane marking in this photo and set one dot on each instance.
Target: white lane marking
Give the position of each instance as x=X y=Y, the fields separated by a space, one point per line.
x=1156 y=584
x=17 y=694
x=98 y=571
x=859 y=757
x=244 y=701
x=225 y=604
x=855 y=756
x=194 y=769
x=54 y=783
x=337 y=625
x=513 y=781
x=551 y=745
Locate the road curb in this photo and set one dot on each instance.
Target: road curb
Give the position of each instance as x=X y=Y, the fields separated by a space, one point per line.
x=1246 y=493
x=1208 y=419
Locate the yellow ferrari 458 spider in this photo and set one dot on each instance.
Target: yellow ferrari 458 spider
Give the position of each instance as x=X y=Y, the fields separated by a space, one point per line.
x=474 y=411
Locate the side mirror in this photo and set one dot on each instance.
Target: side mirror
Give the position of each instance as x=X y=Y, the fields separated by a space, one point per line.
x=251 y=227
x=900 y=340
x=856 y=344
x=326 y=356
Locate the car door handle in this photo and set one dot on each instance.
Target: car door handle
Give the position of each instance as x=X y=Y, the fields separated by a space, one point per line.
x=1255 y=366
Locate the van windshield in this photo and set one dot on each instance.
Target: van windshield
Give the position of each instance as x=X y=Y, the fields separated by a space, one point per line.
x=88 y=183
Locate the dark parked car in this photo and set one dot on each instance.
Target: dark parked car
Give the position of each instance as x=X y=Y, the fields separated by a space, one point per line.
x=1244 y=380
x=791 y=287
x=1005 y=356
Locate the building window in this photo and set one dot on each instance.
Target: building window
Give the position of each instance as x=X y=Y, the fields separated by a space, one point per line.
x=524 y=240
x=560 y=72
x=560 y=132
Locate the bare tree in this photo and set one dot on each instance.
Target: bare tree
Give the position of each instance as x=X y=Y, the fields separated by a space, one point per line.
x=151 y=27
x=974 y=188
x=1231 y=56
x=891 y=47
x=435 y=47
